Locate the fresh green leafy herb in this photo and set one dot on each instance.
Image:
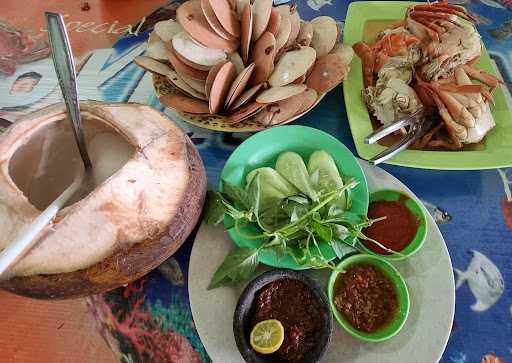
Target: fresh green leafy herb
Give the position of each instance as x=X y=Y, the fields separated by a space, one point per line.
x=293 y=215
x=238 y=266
x=236 y=194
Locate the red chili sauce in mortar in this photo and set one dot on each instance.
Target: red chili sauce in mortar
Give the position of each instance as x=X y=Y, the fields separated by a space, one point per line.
x=295 y=306
x=396 y=231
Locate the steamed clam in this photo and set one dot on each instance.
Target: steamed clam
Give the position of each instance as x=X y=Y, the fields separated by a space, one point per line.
x=246 y=59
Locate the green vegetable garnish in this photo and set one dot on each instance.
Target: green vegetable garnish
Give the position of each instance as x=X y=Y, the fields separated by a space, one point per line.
x=294 y=210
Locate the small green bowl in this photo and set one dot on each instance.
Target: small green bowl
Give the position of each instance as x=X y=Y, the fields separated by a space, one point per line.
x=393 y=327
x=416 y=209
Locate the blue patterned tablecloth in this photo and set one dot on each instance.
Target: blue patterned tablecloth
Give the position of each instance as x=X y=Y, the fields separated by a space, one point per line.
x=150 y=320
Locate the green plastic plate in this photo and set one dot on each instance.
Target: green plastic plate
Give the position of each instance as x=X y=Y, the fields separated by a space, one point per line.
x=262 y=149
x=497 y=150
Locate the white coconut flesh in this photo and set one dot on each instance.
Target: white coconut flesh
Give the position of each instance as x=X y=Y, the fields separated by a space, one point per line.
x=141 y=172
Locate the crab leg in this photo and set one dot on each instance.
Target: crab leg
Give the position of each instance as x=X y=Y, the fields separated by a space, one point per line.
x=442 y=8
x=426 y=25
x=429 y=14
x=468 y=103
x=365 y=52
x=459 y=113
x=460 y=10
x=463 y=79
x=482 y=76
x=455 y=131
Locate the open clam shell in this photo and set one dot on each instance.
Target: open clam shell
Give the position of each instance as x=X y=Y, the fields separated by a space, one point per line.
x=274 y=22
x=226 y=16
x=261 y=10
x=286 y=109
x=179 y=83
x=214 y=22
x=305 y=34
x=327 y=73
x=156 y=48
x=196 y=55
x=184 y=103
x=291 y=66
x=246 y=32
x=237 y=61
x=190 y=16
x=283 y=33
x=309 y=98
x=183 y=68
x=239 y=85
x=245 y=97
x=291 y=13
x=344 y=51
x=211 y=77
x=276 y=94
x=199 y=86
x=167 y=29
x=245 y=112
x=152 y=65
x=325 y=33
x=220 y=86
x=264 y=117
x=263 y=56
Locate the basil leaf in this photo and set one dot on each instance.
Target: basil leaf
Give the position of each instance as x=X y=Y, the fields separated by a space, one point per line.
x=214 y=209
x=238 y=266
x=236 y=194
x=342 y=249
x=324 y=232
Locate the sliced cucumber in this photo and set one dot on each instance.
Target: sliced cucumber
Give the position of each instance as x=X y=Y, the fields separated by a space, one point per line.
x=273 y=187
x=291 y=166
x=325 y=176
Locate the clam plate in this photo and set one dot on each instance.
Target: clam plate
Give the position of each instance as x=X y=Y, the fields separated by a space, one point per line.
x=496 y=151
x=428 y=274
x=215 y=122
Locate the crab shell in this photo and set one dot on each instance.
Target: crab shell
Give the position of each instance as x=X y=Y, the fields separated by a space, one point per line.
x=139 y=216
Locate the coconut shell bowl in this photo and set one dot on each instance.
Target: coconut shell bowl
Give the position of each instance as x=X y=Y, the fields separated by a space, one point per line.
x=240 y=66
x=149 y=189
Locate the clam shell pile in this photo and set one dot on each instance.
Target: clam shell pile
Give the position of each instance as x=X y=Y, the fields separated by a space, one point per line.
x=246 y=59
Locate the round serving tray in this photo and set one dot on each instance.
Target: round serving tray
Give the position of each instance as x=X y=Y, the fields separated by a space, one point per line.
x=428 y=274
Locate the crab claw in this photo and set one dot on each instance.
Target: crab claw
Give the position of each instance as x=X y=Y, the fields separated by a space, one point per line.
x=459 y=113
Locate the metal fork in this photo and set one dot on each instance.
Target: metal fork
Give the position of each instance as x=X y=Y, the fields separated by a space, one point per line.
x=418 y=126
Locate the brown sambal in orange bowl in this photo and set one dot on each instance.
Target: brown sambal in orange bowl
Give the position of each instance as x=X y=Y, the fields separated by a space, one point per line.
x=400 y=226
